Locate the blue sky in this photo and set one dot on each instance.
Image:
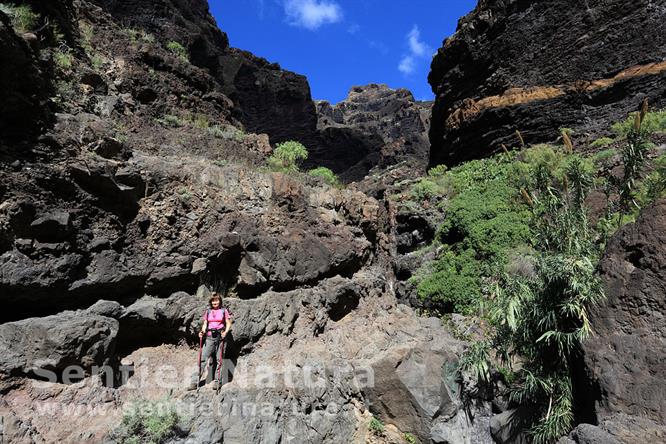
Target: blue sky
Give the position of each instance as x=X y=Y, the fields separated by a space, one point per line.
x=341 y=43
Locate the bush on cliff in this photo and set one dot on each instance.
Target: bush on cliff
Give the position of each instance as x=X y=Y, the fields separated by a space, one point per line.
x=485 y=219
x=541 y=319
x=326 y=175
x=178 y=50
x=287 y=156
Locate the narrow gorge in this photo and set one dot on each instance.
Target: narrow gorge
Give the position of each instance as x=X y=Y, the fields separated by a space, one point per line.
x=138 y=175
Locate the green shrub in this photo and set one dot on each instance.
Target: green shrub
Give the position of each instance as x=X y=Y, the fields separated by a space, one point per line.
x=653 y=186
x=604 y=156
x=147 y=37
x=634 y=156
x=541 y=319
x=476 y=360
x=96 y=61
x=425 y=189
x=184 y=194
x=602 y=142
x=287 y=155
x=326 y=174
x=437 y=171
x=653 y=122
x=148 y=422
x=376 y=426
x=410 y=438
x=22 y=17
x=227 y=132
x=453 y=284
x=200 y=121
x=485 y=218
x=63 y=59
x=87 y=33
x=178 y=50
x=171 y=121
x=488 y=220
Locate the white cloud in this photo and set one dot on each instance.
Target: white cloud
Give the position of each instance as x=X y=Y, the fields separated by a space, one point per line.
x=417 y=47
x=407 y=65
x=311 y=14
x=417 y=50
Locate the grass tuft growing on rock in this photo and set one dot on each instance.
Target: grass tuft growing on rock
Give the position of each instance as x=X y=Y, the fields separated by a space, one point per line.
x=63 y=59
x=148 y=422
x=178 y=50
x=22 y=17
x=376 y=426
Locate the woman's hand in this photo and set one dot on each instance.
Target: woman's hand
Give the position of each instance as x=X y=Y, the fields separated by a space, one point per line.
x=223 y=334
x=201 y=334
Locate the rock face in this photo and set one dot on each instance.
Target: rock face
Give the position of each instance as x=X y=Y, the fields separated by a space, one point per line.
x=625 y=358
x=22 y=87
x=375 y=126
x=266 y=98
x=38 y=345
x=537 y=66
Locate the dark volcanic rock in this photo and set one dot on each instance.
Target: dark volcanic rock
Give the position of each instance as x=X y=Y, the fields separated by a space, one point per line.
x=188 y=23
x=268 y=99
x=54 y=342
x=626 y=358
x=589 y=434
x=374 y=126
x=537 y=66
x=22 y=87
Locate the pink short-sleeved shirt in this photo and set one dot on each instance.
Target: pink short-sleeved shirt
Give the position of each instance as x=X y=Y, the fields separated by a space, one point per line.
x=216 y=318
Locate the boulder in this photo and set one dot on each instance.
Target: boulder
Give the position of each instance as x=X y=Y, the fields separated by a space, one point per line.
x=52 y=227
x=32 y=346
x=589 y=434
x=626 y=357
x=507 y=427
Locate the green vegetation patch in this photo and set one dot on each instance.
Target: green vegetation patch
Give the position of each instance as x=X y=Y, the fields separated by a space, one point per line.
x=326 y=175
x=178 y=50
x=287 y=156
x=485 y=218
x=22 y=17
x=148 y=422
x=653 y=122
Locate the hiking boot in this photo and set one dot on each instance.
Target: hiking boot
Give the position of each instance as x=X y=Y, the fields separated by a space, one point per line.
x=193 y=386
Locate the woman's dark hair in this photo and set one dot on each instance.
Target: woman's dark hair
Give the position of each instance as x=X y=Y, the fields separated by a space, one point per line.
x=213 y=297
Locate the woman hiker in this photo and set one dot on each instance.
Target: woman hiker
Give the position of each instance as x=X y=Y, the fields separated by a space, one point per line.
x=216 y=326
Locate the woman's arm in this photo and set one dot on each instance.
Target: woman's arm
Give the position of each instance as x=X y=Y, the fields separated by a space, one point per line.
x=203 y=328
x=227 y=327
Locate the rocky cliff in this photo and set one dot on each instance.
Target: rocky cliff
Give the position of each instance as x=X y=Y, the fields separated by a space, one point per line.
x=538 y=66
x=375 y=126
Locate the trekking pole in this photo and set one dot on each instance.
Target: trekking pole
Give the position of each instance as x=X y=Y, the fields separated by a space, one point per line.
x=199 y=362
x=219 y=366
